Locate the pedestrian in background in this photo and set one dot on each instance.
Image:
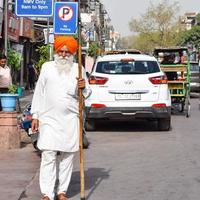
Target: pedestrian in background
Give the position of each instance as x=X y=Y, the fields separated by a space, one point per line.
x=55 y=109
x=31 y=76
x=5 y=76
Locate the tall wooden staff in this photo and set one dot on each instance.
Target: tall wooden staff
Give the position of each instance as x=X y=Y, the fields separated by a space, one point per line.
x=82 y=178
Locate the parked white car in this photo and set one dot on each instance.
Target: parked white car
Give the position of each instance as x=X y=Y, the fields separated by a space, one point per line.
x=128 y=87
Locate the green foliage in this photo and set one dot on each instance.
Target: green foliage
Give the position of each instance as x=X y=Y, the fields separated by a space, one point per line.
x=159 y=26
x=191 y=37
x=14 y=62
x=140 y=42
x=93 y=49
x=14 y=59
x=198 y=19
x=44 y=55
x=12 y=89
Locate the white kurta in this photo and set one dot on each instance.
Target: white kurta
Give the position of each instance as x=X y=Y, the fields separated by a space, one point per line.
x=55 y=104
x=5 y=77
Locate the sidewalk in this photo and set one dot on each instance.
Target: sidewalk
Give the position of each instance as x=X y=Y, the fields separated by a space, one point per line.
x=18 y=166
x=17 y=170
x=27 y=97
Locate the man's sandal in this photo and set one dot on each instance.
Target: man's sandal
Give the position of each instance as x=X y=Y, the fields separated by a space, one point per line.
x=62 y=196
x=45 y=198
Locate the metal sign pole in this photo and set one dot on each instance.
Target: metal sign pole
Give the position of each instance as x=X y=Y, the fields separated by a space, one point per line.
x=47 y=30
x=48 y=38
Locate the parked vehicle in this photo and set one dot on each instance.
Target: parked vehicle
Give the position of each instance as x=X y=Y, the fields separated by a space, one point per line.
x=174 y=61
x=194 y=77
x=25 y=123
x=123 y=51
x=128 y=86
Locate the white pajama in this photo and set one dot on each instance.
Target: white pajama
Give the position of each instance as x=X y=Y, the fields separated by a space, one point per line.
x=48 y=172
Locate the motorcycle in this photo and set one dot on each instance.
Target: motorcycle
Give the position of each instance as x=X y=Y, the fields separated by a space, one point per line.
x=24 y=121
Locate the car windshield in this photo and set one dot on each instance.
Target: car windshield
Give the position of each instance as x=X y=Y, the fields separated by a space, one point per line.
x=128 y=67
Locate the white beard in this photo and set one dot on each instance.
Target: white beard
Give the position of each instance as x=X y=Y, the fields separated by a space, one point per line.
x=63 y=65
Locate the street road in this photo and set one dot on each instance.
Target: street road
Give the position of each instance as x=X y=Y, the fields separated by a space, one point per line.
x=134 y=162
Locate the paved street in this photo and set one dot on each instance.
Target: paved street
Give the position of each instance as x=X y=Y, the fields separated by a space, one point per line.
x=124 y=161
x=17 y=169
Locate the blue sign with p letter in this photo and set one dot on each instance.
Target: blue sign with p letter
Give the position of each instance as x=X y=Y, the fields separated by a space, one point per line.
x=65 y=18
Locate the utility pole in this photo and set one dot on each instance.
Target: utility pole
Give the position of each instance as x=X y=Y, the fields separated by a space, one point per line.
x=6 y=27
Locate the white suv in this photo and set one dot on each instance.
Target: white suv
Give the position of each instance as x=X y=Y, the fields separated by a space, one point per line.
x=127 y=87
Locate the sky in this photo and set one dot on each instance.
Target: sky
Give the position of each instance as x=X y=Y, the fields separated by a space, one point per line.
x=121 y=12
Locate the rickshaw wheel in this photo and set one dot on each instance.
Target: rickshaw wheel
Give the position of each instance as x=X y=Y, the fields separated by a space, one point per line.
x=181 y=106
x=188 y=106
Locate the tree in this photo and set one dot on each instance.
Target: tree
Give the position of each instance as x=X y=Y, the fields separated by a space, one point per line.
x=198 y=19
x=14 y=61
x=141 y=42
x=159 y=26
x=191 y=37
x=43 y=55
x=93 y=50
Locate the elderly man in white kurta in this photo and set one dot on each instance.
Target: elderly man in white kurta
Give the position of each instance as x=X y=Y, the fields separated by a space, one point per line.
x=55 y=114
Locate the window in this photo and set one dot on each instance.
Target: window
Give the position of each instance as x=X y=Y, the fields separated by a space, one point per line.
x=194 y=67
x=133 y=67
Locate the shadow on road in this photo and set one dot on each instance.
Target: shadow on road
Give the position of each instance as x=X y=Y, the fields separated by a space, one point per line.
x=93 y=178
x=128 y=126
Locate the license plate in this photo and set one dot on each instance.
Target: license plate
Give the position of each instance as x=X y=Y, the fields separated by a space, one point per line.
x=127 y=96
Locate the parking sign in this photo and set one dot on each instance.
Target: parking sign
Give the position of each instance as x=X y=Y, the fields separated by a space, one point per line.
x=65 y=18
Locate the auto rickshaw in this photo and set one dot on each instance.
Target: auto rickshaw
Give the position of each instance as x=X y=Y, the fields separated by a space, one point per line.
x=174 y=62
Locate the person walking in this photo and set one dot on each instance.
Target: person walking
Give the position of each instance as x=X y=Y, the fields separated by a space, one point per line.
x=31 y=76
x=55 y=114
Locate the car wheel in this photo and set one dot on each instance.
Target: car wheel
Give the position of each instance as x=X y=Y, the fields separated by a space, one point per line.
x=90 y=125
x=85 y=142
x=181 y=107
x=164 y=124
